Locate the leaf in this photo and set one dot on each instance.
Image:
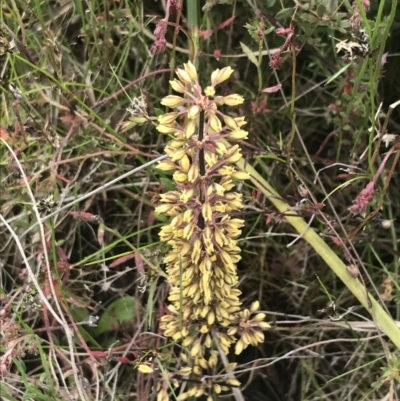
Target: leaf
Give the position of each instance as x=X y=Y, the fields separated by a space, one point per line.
x=159 y=112
x=211 y=3
x=333 y=77
x=249 y=54
x=80 y=315
x=321 y=11
x=168 y=183
x=331 y=6
x=285 y=13
x=272 y=89
x=122 y=259
x=309 y=18
x=120 y=311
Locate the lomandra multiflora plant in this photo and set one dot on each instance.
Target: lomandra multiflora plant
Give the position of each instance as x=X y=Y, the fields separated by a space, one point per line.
x=206 y=314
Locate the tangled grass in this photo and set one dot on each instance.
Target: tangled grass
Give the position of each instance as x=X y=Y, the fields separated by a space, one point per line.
x=293 y=230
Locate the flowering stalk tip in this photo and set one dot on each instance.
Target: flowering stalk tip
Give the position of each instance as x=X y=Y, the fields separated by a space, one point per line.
x=202 y=234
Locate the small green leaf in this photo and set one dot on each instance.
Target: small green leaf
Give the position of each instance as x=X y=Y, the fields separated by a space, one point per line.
x=269 y=30
x=331 y=6
x=167 y=183
x=343 y=69
x=80 y=315
x=321 y=11
x=120 y=311
x=249 y=54
x=285 y=13
x=309 y=18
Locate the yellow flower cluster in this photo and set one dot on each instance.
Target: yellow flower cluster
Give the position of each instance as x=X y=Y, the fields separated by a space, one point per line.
x=203 y=230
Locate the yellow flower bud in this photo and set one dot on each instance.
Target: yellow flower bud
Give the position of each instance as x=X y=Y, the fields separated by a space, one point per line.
x=197 y=371
x=184 y=77
x=226 y=259
x=176 y=222
x=166 y=129
x=220 y=148
x=233 y=382
x=138 y=120
x=187 y=341
x=206 y=210
x=170 y=197
x=238 y=135
x=177 y=336
x=235 y=157
x=226 y=170
x=239 y=347
x=172 y=101
x=219 y=189
x=186 y=248
x=196 y=251
x=264 y=325
x=178 y=154
x=232 y=100
x=241 y=175
x=223 y=75
x=190 y=129
x=195 y=349
x=230 y=122
x=177 y=86
x=186 y=371
x=217 y=389
x=231 y=366
x=233 y=149
x=208 y=341
x=177 y=144
x=211 y=318
x=255 y=306
x=188 y=215
x=194 y=112
x=240 y=121
x=188 y=231
x=210 y=158
x=212 y=361
x=215 y=123
x=163 y=209
x=184 y=163
x=168 y=118
x=258 y=337
x=145 y=368
x=166 y=165
x=259 y=317
x=193 y=173
x=219 y=237
x=180 y=177
x=232 y=331
x=191 y=70
x=214 y=76
x=235 y=205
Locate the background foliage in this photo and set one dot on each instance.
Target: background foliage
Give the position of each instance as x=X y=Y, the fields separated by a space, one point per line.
x=70 y=69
